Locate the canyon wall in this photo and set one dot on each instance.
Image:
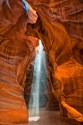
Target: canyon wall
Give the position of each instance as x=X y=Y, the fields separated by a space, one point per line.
x=16 y=55
x=60 y=27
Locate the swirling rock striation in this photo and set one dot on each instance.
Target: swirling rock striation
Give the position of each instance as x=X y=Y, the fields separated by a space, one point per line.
x=60 y=27
x=16 y=55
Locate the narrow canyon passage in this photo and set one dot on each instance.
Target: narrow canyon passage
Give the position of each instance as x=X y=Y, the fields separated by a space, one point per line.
x=38 y=113
x=41 y=85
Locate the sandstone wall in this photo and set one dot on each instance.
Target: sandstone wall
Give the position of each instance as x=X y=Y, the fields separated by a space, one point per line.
x=60 y=27
x=16 y=55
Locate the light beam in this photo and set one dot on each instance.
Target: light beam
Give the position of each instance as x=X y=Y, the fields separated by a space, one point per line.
x=34 y=103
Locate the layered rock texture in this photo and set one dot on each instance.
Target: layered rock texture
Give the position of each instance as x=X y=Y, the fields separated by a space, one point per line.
x=16 y=54
x=60 y=27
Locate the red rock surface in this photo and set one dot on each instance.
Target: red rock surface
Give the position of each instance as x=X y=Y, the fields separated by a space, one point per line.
x=60 y=27
x=16 y=55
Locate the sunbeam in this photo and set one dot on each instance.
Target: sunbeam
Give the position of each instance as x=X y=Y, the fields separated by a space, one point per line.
x=34 y=100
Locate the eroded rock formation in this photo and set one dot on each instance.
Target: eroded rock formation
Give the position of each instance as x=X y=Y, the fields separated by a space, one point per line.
x=60 y=27
x=16 y=55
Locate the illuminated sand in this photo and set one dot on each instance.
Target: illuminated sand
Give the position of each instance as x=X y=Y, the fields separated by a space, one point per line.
x=51 y=118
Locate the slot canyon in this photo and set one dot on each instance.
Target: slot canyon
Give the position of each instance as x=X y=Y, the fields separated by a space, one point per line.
x=41 y=62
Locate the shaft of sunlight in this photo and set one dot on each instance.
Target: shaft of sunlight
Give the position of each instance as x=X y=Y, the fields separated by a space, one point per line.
x=34 y=105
